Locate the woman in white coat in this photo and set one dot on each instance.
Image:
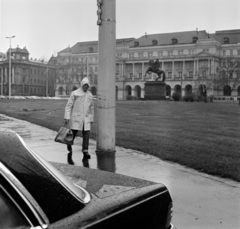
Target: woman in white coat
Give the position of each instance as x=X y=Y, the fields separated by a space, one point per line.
x=79 y=112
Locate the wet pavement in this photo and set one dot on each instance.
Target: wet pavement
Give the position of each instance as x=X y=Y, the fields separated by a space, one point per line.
x=200 y=200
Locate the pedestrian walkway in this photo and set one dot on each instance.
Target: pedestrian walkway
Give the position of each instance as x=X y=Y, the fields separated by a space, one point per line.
x=200 y=200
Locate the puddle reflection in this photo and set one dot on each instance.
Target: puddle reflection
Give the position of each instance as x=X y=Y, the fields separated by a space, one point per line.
x=106 y=162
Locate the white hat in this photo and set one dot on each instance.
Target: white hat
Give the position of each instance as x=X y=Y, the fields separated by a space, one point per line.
x=85 y=80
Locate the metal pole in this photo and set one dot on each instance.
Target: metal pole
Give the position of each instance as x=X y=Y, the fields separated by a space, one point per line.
x=1 y=81
x=47 y=83
x=9 y=77
x=87 y=65
x=106 y=77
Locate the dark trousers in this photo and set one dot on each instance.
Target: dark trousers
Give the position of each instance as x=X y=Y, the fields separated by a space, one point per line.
x=85 y=142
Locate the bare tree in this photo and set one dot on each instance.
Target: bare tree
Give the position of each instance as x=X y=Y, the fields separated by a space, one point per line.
x=225 y=74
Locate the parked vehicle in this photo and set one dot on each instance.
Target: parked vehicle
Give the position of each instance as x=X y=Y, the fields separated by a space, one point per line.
x=34 y=194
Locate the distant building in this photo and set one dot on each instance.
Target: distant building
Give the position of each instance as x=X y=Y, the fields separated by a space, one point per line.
x=3 y=56
x=28 y=76
x=192 y=60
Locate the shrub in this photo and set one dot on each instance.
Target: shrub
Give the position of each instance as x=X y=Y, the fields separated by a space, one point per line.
x=189 y=97
x=176 y=96
x=131 y=97
x=211 y=98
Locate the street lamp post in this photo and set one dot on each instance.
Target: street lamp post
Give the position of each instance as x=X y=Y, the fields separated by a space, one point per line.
x=9 y=78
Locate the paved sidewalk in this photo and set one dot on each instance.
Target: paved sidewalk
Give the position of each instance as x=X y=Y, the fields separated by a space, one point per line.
x=200 y=200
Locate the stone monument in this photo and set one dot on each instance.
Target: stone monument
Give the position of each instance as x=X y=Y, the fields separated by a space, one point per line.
x=155 y=90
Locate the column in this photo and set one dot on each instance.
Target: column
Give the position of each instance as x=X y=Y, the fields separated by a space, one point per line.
x=163 y=67
x=194 y=68
x=184 y=69
x=173 y=69
x=209 y=67
x=143 y=73
x=122 y=72
x=133 y=71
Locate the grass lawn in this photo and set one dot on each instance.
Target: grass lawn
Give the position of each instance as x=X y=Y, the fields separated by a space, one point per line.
x=202 y=136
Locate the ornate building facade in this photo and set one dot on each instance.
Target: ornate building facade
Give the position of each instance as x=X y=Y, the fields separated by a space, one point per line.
x=192 y=61
x=29 y=77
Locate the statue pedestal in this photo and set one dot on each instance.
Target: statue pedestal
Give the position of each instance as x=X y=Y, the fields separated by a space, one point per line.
x=155 y=90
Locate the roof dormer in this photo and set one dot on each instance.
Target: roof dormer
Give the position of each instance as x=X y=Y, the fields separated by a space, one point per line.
x=154 y=42
x=174 y=40
x=225 y=40
x=194 y=39
x=136 y=43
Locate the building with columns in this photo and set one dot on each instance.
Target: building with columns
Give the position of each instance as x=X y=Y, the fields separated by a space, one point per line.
x=29 y=77
x=191 y=60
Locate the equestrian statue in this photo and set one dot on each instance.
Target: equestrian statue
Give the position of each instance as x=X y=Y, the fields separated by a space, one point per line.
x=154 y=67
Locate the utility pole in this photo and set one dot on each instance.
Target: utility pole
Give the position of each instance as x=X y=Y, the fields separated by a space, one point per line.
x=9 y=78
x=106 y=76
x=1 y=81
x=47 y=82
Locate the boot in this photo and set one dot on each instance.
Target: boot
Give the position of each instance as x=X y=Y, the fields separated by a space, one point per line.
x=86 y=154
x=69 y=158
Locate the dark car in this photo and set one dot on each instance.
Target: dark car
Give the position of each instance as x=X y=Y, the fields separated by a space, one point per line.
x=35 y=194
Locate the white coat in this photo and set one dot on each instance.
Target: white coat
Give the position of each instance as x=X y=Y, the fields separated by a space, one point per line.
x=80 y=109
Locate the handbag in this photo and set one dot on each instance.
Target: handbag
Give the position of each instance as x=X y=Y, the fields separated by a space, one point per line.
x=64 y=135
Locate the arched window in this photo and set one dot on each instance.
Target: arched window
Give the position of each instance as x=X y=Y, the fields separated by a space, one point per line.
x=60 y=91
x=177 y=88
x=137 y=91
x=188 y=89
x=168 y=90
x=227 y=90
x=94 y=90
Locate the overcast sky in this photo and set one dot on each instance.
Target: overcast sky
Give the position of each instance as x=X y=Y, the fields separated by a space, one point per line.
x=48 y=26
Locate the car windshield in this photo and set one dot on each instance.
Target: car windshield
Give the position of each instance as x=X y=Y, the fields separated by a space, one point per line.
x=57 y=196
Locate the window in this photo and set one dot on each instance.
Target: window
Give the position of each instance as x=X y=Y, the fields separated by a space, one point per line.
x=224 y=53
x=204 y=73
x=140 y=54
x=191 y=52
x=169 y=75
x=194 y=39
x=160 y=54
x=179 y=74
x=149 y=54
x=11 y=214
x=136 y=43
x=180 y=53
x=238 y=52
x=130 y=75
x=174 y=40
x=226 y=40
x=131 y=55
x=190 y=74
x=154 y=42
x=170 y=53
x=140 y=75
